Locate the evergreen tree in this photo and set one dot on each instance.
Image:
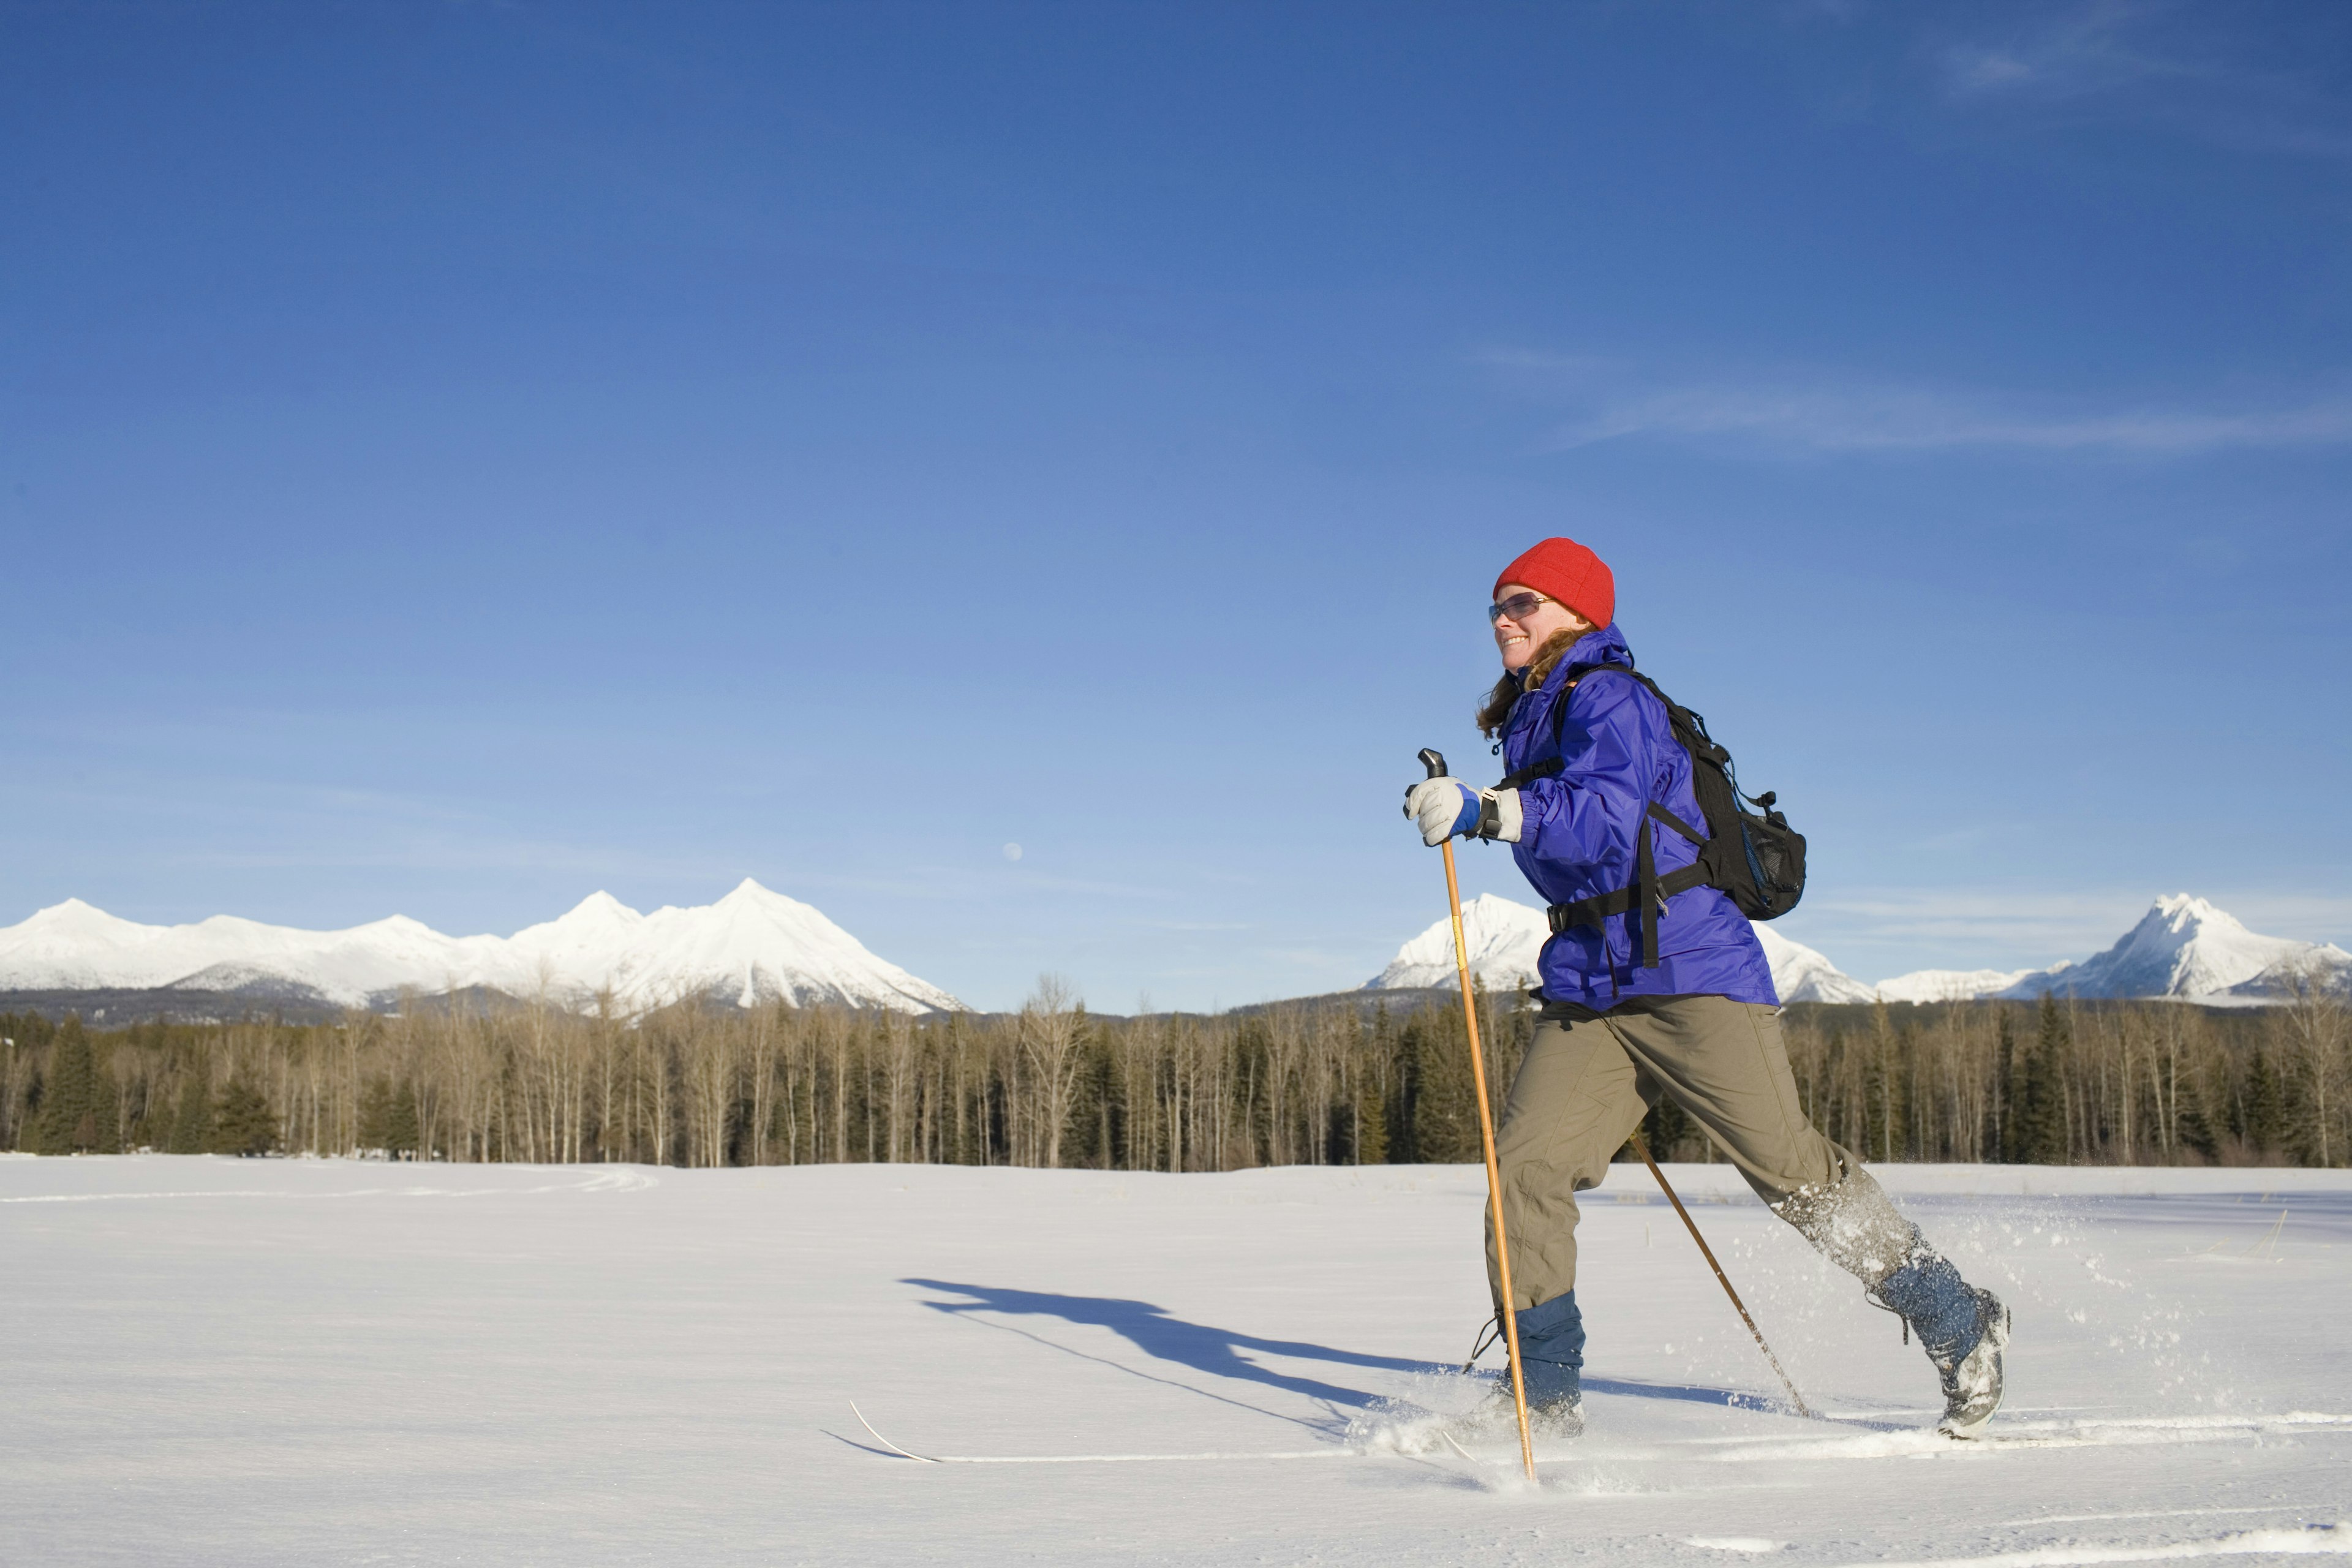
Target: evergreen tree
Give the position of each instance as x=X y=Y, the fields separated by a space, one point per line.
x=2266 y=1104
x=1884 y=1102
x=1098 y=1112
x=1441 y=1119
x=400 y=1133
x=1368 y=1131
x=2001 y=1139
x=2197 y=1132
x=70 y=1101
x=376 y=1113
x=1395 y=1076
x=2039 y=1109
x=245 y=1125
x=192 y=1127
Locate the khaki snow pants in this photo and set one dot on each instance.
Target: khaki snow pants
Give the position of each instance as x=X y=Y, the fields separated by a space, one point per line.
x=1588 y=1080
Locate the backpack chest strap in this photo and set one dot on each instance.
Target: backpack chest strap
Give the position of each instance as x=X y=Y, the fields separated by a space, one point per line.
x=1519 y=778
x=1648 y=891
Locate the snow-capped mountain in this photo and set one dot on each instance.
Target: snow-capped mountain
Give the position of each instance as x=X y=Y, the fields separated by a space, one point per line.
x=1504 y=937
x=2324 y=966
x=1953 y=985
x=1800 y=973
x=754 y=945
x=2183 y=947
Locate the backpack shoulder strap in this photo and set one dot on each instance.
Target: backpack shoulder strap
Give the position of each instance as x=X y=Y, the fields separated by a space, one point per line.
x=1522 y=778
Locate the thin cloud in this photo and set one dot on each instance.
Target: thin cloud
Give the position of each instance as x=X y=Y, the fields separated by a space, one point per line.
x=2157 y=64
x=1898 y=419
x=1987 y=70
x=1950 y=927
x=2072 y=52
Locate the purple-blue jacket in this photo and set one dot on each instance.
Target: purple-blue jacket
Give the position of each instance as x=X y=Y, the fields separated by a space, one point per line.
x=1619 y=753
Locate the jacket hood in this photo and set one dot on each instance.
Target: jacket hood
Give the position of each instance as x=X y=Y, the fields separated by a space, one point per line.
x=1605 y=646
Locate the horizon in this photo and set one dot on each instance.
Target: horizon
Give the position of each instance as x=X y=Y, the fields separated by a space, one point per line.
x=1026 y=480
x=2156 y=907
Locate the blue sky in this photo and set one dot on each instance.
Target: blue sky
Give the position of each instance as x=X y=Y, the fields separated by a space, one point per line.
x=456 y=458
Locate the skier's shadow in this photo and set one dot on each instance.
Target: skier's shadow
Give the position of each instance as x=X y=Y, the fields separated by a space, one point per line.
x=1218 y=1352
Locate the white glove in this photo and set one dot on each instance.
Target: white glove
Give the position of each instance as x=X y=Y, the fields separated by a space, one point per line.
x=1443 y=807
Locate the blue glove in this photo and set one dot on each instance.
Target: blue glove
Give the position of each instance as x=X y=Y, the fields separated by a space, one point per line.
x=1444 y=808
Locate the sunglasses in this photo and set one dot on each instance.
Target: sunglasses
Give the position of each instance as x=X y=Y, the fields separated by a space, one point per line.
x=1517 y=608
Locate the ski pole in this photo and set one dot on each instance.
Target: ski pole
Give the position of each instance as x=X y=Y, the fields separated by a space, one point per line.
x=1435 y=762
x=1708 y=1252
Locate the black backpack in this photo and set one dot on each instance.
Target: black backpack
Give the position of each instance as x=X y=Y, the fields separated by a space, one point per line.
x=1754 y=857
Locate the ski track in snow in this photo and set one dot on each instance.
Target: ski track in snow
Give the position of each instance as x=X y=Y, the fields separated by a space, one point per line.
x=2319 y=1538
x=1128 y=1367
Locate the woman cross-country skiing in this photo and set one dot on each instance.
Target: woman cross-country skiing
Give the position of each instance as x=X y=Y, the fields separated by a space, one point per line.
x=1685 y=1010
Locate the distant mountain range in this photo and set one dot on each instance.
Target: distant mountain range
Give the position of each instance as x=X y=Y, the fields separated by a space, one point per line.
x=752 y=946
x=756 y=946
x=2183 y=948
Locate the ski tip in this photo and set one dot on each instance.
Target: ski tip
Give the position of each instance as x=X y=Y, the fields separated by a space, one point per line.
x=902 y=1453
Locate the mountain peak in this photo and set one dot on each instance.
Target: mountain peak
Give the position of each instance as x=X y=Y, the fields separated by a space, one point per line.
x=599 y=909
x=402 y=924
x=71 y=910
x=751 y=892
x=2180 y=912
x=1502 y=936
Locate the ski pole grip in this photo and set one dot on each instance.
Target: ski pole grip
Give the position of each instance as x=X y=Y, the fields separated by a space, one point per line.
x=1434 y=760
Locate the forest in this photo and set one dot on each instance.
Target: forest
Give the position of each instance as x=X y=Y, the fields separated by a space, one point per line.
x=1332 y=1081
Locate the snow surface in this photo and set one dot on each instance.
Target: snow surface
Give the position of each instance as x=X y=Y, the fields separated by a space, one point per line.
x=1505 y=938
x=260 y=1363
x=754 y=945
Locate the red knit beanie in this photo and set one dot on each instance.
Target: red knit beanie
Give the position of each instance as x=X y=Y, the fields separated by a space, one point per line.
x=1564 y=570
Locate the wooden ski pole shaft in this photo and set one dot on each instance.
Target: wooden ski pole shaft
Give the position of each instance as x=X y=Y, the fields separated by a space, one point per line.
x=1436 y=763
x=1708 y=1252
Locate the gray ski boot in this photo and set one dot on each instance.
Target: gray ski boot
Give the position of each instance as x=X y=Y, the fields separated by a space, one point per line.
x=1972 y=1385
x=1962 y=1328
x=1855 y=1226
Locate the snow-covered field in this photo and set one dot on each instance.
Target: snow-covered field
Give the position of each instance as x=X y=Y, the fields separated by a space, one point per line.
x=214 y=1361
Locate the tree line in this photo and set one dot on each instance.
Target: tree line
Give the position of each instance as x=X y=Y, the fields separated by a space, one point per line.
x=1332 y=1082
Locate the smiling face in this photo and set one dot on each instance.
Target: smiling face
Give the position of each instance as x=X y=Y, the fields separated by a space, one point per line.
x=1518 y=638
